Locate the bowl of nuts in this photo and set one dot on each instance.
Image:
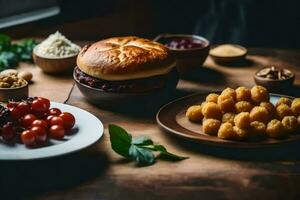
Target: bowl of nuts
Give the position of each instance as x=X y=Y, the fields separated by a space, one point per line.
x=274 y=79
x=12 y=87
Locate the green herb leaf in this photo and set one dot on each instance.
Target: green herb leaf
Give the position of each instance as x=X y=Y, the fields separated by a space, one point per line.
x=120 y=140
x=164 y=154
x=143 y=141
x=26 y=47
x=9 y=59
x=142 y=156
x=138 y=149
x=11 y=54
x=4 y=42
x=2 y=65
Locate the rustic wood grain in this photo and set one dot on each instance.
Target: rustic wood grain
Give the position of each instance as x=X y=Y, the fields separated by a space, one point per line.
x=209 y=173
x=54 y=87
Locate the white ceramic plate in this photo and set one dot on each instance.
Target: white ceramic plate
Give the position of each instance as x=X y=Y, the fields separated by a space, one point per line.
x=87 y=130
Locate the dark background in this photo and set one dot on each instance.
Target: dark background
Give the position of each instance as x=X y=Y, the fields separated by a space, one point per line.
x=259 y=23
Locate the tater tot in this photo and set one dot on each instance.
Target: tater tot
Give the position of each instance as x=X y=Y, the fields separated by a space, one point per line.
x=243 y=106
x=259 y=94
x=211 y=126
x=290 y=124
x=275 y=129
x=203 y=103
x=295 y=106
x=226 y=131
x=211 y=110
x=242 y=120
x=283 y=110
x=270 y=107
x=194 y=113
x=228 y=117
x=246 y=114
x=259 y=113
x=226 y=104
x=213 y=97
x=284 y=100
x=240 y=134
x=229 y=92
x=243 y=94
x=257 y=129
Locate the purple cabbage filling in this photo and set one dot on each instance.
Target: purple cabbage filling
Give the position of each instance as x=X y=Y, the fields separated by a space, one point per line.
x=135 y=85
x=185 y=43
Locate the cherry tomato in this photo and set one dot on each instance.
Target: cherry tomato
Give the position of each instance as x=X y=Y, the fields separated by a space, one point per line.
x=57 y=132
x=28 y=138
x=12 y=104
x=27 y=120
x=54 y=111
x=24 y=108
x=39 y=105
x=15 y=113
x=39 y=122
x=46 y=101
x=40 y=134
x=40 y=115
x=8 y=132
x=68 y=120
x=48 y=119
x=56 y=121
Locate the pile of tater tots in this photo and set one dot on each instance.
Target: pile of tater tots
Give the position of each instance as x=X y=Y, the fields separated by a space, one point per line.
x=246 y=114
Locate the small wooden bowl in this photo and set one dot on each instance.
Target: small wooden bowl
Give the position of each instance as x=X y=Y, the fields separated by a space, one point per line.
x=14 y=93
x=187 y=59
x=229 y=59
x=54 y=65
x=275 y=85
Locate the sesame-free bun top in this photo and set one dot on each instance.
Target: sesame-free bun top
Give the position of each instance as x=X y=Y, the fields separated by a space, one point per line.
x=125 y=58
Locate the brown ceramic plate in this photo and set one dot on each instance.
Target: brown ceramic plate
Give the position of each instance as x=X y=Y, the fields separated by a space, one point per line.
x=171 y=117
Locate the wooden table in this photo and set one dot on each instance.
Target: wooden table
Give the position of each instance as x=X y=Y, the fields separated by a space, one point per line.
x=209 y=173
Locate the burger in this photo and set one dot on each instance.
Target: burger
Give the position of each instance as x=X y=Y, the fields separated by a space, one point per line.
x=125 y=65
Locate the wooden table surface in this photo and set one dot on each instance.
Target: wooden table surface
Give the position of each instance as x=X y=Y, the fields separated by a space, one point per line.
x=210 y=172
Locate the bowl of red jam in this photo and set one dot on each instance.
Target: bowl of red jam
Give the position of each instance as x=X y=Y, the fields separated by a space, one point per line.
x=190 y=51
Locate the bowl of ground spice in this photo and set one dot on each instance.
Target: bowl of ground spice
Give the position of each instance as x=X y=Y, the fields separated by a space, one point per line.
x=228 y=53
x=13 y=88
x=56 y=54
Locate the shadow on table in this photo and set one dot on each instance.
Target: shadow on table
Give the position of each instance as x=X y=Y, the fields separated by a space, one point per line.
x=287 y=152
x=145 y=109
x=239 y=63
x=27 y=179
x=205 y=75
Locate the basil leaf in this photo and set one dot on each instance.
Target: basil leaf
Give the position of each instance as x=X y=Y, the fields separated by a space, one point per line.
x=25 y=48
x=142 y=156
x=120 y=140
x=11 y=54
x=138 y=149
x=5 y=42
x=2 y=65
x=164 y=154
x=9 y=59
x=142 y=141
